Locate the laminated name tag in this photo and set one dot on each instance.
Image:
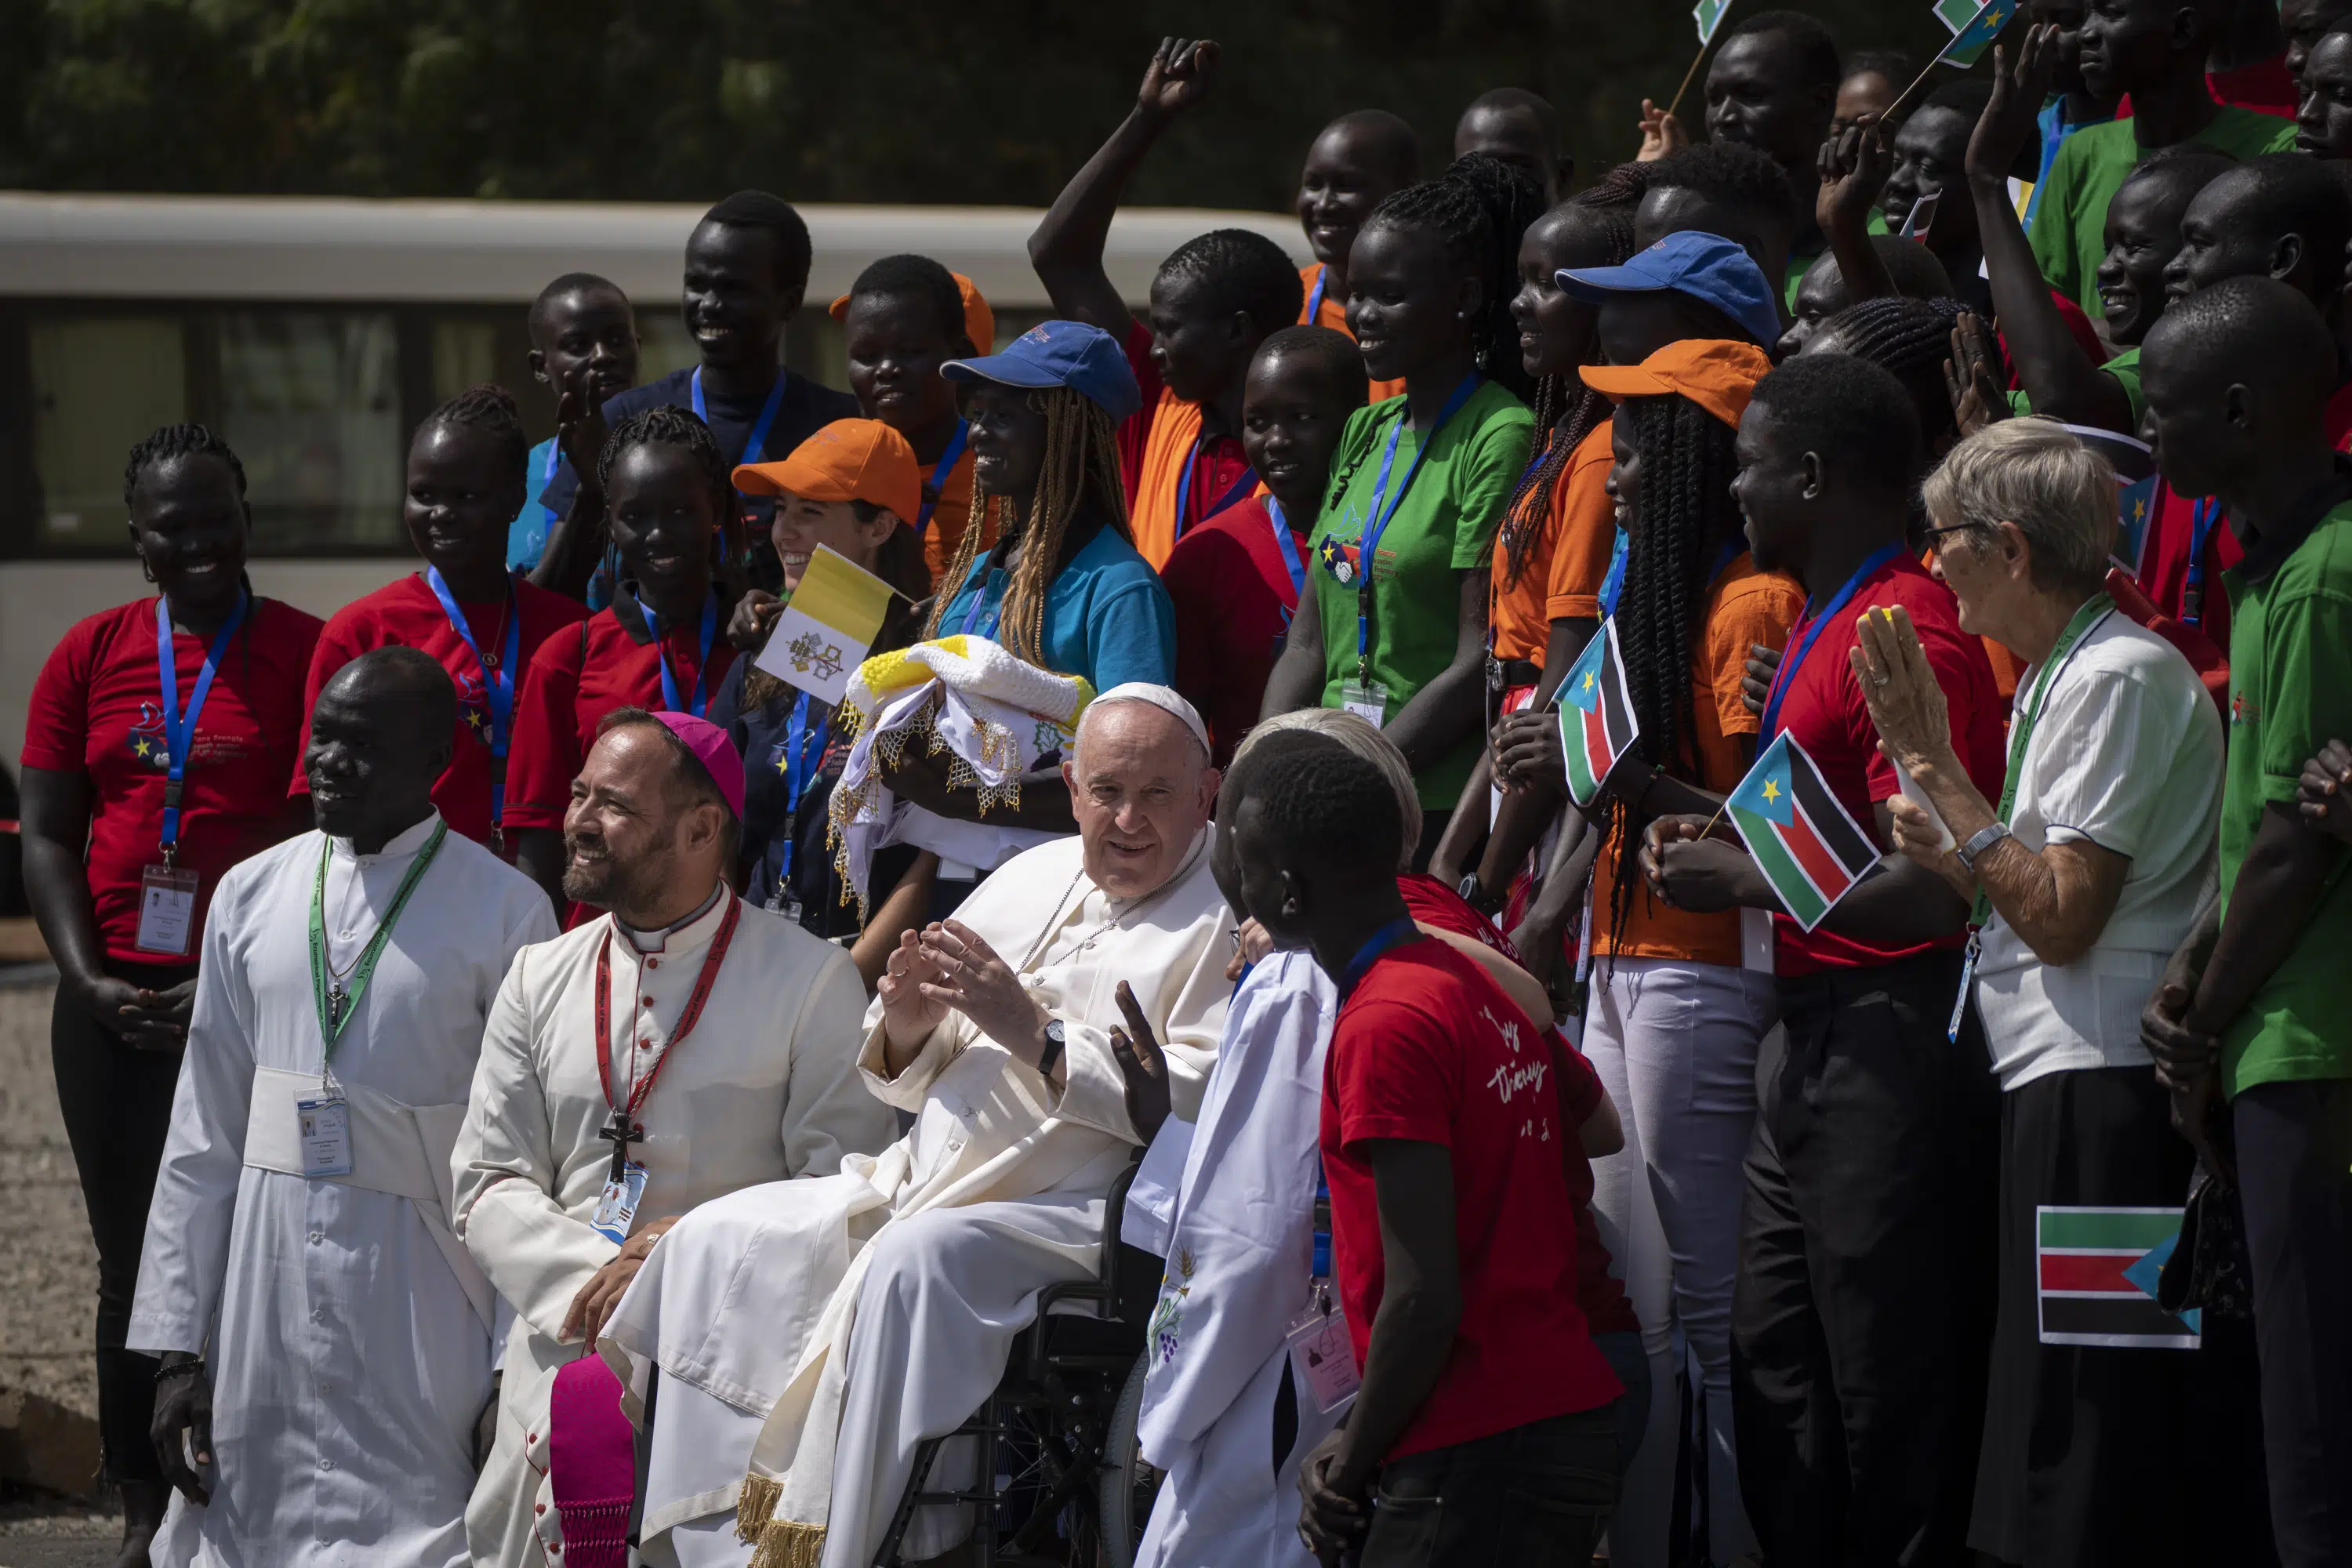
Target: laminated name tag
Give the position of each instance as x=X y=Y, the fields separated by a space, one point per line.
x=616 y=1211
x=1366 y=700
x=324 y=1126
x=167 y=910
x=1322 y=1358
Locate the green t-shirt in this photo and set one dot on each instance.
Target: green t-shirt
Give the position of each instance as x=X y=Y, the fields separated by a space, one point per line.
x=2070 y=219
x=2125 y=368
x=1442 y=526
x=1801 y=265
x=2290 y=644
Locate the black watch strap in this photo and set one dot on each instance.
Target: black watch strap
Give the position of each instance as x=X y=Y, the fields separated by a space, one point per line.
x=1054 y=1040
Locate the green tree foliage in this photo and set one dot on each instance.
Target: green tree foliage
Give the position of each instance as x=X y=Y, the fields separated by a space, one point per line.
x=910 y=100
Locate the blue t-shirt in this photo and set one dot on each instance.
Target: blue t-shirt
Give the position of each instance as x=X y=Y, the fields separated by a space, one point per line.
x=1107 y=617
x=527 y=535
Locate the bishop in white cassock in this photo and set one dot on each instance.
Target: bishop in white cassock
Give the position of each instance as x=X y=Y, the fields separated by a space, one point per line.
x=813 y=1334
x=345 y=1335
x=755 y=1083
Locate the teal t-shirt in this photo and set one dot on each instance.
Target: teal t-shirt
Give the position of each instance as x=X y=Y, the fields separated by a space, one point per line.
x=2290 y=644
x=2070 y=211
x=1442 y=526
x=1107 y=617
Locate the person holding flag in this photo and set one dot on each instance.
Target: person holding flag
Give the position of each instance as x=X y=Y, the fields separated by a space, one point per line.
x=1862 y=1306
x=2086 y=876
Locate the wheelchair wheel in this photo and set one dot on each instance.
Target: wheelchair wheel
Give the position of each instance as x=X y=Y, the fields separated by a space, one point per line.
x=1128 y=1482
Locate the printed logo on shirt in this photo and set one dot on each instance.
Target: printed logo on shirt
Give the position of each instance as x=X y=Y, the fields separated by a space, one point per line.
x=146 y=738
x=473 y=707
x=1523 y=1075
x=2243 y=711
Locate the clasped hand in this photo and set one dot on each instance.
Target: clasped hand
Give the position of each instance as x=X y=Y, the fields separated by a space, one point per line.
x=949 y=965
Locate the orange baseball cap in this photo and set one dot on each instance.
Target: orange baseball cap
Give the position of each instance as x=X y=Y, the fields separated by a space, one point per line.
x=1717 y=374
x=849 y=459
x=979 y=320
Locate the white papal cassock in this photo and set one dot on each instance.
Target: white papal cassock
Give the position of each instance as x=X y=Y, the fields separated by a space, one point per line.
x=765 y=1086
x=934 y=1252
x=1222 y=1414
x=348 y=1334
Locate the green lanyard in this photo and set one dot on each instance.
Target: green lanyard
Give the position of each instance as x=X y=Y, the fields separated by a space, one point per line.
x=335 y=1004
x=2021 y=730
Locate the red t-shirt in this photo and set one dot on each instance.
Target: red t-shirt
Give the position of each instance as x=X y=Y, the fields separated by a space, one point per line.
x=1233 y=598
x=577 y=678
x=1220 y=465
x=2164 y=564
x=1429 y=1050
x=1606 y=1309
x=2266 y=86
x=405 y=614
x=1824 y=711
x=97 y=709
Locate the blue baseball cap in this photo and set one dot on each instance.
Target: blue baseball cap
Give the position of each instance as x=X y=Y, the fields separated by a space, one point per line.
x=1086 y=360
x=1706 y=267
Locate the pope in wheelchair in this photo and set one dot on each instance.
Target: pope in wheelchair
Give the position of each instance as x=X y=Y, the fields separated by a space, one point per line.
x=811 y=1339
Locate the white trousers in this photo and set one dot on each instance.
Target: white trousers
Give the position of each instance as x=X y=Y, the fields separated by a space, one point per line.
x=1674 y=1043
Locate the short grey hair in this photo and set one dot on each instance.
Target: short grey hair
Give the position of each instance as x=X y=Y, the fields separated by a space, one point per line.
x=2032 y=472
x=1359 y=736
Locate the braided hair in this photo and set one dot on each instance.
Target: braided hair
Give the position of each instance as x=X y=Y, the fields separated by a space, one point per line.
x=1912 y=339
x=666 y=425
x=1081 y=463
x=1477 y=209
x=172 y=441
x=1684 y=512
x=1566 y=411
x=490 y=408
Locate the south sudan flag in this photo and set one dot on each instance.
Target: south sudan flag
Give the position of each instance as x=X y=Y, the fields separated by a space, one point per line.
x=1804 y=843
x=2097 y=1271
x=1596 y=716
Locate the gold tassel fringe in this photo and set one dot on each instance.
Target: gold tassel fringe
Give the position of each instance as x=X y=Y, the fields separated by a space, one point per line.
x=784 y=1544
x=756 y=1506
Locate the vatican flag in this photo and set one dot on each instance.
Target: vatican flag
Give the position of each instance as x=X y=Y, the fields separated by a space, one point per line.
x=827 y=626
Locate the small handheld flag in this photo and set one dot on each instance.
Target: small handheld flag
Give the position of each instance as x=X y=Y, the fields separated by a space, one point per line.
x=1709 y=15
x=1596 y=726
x=2096 y=1270
x=1973 y=28
x=826 y=630
x=2135 y=480
x=1809 y=849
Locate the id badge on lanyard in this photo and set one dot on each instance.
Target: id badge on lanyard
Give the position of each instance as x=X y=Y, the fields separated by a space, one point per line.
x=167 y=910
x=1322 y=1357
x=324 y=1125
x=167 y=895
x=616 y=1210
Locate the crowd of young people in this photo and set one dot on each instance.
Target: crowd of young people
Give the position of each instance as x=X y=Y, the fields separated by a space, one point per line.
x=1943 y=1221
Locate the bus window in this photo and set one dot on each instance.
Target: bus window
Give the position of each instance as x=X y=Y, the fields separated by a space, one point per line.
x=311 y=400
x=99 y=385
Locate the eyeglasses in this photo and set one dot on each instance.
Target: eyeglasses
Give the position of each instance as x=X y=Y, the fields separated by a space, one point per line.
x=1935 y=536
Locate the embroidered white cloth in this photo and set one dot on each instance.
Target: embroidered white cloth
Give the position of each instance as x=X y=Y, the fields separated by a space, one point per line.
x=994 y=715
x=350 y=1357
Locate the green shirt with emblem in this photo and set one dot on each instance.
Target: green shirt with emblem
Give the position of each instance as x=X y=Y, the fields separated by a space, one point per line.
x=1443 y=526
x=2290 y=649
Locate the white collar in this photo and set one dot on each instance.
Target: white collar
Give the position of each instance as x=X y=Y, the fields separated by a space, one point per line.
x=686 y=934
x=399 y=847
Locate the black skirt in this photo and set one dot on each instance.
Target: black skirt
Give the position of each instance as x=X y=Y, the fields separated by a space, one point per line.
x=2131 y=1453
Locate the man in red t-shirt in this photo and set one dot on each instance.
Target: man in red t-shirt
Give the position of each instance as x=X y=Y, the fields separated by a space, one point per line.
x=1487 y=1415
x=1236 y=580
x=1861 y=1312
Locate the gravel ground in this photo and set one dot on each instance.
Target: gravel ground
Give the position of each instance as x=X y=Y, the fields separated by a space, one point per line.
x=52 y=1275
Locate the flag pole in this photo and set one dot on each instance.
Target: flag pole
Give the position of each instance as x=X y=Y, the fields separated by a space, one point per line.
x=1689 y=76
x=1894 y=110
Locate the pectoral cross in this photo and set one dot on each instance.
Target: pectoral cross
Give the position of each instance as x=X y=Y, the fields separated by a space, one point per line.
x=623 y=1134
x=335 y=999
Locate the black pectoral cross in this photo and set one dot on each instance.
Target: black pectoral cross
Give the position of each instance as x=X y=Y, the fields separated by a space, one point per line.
x=623 y=1134
x=335 y=999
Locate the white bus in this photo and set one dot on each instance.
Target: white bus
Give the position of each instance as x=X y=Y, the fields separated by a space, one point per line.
x=313 y=334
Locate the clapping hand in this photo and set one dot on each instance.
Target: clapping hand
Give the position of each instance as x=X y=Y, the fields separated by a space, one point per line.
x=1972 y=376
x=580 y=428
x=966 y=973
x=1142 y=1063
x=910 y=1012
x=1899 y=687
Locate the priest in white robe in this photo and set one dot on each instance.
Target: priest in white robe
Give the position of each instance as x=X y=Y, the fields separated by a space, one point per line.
x=325 y=1339
x=756 y=1083
x=813 y=1334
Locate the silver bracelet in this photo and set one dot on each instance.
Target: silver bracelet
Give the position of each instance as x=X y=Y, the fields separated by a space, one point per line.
x=1983 y=839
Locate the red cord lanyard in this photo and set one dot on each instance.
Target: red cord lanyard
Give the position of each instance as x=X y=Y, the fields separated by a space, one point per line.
x=624 y=1129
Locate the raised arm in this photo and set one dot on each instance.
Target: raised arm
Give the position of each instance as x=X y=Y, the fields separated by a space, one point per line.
x=2057 y=375
x=1068 y=248
x=1855 y=167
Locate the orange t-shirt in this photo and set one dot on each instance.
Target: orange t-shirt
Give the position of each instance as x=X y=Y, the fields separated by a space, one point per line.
x=1585 y=537
x=1521 y=612
x=949 y=518
x=1332 y=312
x=1744 y=606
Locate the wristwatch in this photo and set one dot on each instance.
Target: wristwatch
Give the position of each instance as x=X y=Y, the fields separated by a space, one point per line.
x=1055 y=1038
x=1984 y=840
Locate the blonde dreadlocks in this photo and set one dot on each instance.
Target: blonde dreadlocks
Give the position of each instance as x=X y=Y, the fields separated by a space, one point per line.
x=1081 y=455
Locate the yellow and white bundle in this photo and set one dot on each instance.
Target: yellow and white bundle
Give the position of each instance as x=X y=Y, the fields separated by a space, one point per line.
x=992 y=714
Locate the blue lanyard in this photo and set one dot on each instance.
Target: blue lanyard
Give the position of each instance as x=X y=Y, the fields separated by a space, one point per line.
x=1234 y=492
x=1787 y=674
x=1284 y=541
x=1613 y=587
x=698 y=700
x=180 y=726
x=498 y=682
x=2054 y=131
x=1314 y=297
x=1377 y=523
x=798 y=740
x=1396 y=932
x=2202 y=519
x=978 y=580
x=940 y=472
x=755 y=446
x=547 y=478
